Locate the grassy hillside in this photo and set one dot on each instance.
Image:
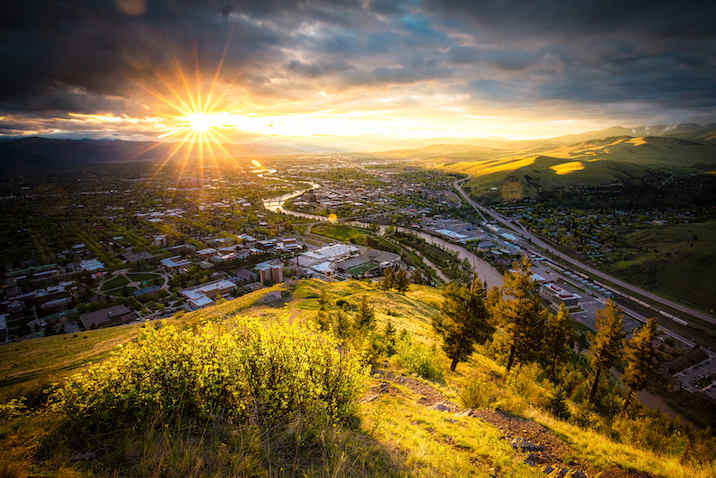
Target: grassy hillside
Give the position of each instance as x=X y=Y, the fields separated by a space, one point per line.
x=674 y=265
x=473 y=422
x=589 y=163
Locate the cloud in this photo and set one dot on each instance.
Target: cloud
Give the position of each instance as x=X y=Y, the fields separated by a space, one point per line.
x=322 y=68
x=593 y=56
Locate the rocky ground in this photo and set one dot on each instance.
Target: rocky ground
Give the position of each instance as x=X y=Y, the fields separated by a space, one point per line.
x=539 y=445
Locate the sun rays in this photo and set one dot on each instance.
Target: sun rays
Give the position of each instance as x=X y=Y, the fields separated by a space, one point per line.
x=193 y=111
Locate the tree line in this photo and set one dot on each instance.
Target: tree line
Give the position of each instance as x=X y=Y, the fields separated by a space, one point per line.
x=524 y=331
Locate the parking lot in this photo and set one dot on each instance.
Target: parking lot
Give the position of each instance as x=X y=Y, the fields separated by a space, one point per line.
x=692 y=376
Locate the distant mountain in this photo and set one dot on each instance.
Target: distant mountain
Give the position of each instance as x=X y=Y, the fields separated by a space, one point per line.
x=35 y=151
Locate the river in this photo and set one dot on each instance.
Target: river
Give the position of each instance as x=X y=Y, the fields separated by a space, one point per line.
x=485 y=271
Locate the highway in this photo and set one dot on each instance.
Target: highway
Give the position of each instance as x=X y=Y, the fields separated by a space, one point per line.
x=530 y=237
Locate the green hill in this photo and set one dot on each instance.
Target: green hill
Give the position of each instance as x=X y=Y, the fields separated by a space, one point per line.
x=590 y=163
x=475 y=421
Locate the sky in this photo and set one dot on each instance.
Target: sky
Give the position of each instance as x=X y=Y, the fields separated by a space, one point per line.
x=351 y=71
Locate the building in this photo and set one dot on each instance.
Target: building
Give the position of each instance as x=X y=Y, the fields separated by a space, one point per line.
x=161 y=240
x=176 y=264
x=203 y=295
x=207 y=253
x=270 y=271
x=3 y=327
x=329 y=253
x=91 y=265
x=111 y=316
x=246 y=275
x=557 y=296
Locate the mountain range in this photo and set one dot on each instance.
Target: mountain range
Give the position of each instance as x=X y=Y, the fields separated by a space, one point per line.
x=43 y=152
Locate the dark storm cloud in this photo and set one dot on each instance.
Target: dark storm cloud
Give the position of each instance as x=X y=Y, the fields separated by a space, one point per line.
x=86 y=56
x=687 y=21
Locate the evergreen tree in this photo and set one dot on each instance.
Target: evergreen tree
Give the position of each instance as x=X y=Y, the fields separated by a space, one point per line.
x=401 y=282
x=557 y=404
x=417 y=277
x=558 y=329
x=342 y=324
x=523 y=316
x=365 y=317
x=464 y=320
x=389 y=334
x=605 y=347
x=323 y=300
x=639 y=351
x=388 y=280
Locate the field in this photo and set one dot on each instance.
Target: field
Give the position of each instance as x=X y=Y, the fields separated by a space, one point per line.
x=677 y=261
x=115 y=283
x=339 y=232
x=362 y=269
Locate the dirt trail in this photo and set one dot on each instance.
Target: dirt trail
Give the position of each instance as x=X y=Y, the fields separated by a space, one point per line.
x=539 y=445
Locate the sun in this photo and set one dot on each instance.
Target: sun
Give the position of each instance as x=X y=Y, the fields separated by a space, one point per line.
x=200 y=122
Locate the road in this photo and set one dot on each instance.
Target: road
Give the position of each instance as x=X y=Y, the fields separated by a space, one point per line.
x=530 y=237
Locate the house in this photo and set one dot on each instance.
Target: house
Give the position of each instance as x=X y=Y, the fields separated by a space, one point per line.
x=109 y=317
x=161 y=240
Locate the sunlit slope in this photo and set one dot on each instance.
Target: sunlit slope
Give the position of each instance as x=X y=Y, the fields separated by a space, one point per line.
x=587 y=163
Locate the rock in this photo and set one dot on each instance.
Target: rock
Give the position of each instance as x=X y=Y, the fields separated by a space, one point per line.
x=523 y=444
x=531 y=460
x=576 y=474
x=558 y=473
x=547 y=469
x=468 y=413
x=402 y=380
x=441 y=407
x=371 y=398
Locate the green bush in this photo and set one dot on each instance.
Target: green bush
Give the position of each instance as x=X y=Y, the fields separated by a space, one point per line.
x=243 y=371
x=479 y=393
x=417 y=358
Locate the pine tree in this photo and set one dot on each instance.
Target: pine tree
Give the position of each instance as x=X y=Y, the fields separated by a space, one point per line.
x=605 y=347
x=639 y=351
x=389 y=334
x=323 y=319
x=558 y=329
x=323 y=300
x=365 y=317
x=464 y=320
x=388 y=280
x=402 y=284
x=342 y=324
x=523 y=316
x=557 y=404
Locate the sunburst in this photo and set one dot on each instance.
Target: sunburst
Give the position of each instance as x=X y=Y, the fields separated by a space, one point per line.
x=194 y=116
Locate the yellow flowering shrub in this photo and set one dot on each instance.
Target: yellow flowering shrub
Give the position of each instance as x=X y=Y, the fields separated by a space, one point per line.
x=239 y=370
